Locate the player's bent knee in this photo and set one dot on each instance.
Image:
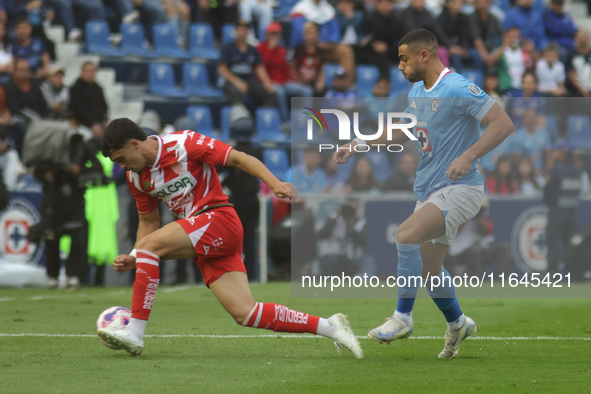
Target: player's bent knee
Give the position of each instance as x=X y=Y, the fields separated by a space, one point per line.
x=406 y=236
x=150 y=244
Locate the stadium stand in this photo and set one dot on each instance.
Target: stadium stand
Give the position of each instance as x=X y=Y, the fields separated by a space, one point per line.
x=162 y=81
x=201 y=43
x=196 y=81
x=166 y=42
x=97 y=39
x=133 y=41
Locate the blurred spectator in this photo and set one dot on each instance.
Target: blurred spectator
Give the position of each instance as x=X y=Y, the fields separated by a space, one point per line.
x=218 y=13
x=362 y=177
x=502 y=181
x=308 y=60
x=87 y=105
x=343 y=240
x=242 y=69
x=178 y=16
x=511 y=60
x=24 y=97
x=473 y=248
x=85 y=10
x=491 y=87
x=334 y=182
x=6 y=60
x=550 y=72
x=404 y=178
x=259 y=11
x=417 y=16
x=518 y=100
x=349 y=23
x=3 y=17
x=64 y=15
x=340 y=86
x=489 y=161
x=26 y=46
x=383 y=28
x=531 y=140
x=5 y=118
x=561 y=195
x=530 y=184
x=56 y=94
x=274 y=59
x=559 y=26
x=528 y=21
x=308 y=177
x=324 y=15
x=147 y=12
x=454 y=25
x=485 y=31
x=382 y=88
x=578 y=67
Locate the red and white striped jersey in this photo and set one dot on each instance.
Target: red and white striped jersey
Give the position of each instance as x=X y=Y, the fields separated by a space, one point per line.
x=183 y=175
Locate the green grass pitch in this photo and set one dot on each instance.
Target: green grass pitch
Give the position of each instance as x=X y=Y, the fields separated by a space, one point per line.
x=179 y=358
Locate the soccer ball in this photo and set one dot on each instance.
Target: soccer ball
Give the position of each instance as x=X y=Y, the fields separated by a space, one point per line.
x=114 y=317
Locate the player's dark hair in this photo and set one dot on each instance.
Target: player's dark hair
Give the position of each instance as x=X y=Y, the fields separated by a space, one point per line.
x=119 y=133
x=420 y=39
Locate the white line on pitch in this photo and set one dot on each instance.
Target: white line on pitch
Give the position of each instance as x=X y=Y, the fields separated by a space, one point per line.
x=481 y=338
x=7 y=299
x=175 y=289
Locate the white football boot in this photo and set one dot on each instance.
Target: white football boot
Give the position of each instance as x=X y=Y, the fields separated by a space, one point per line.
x=344 y=336
x=453 y=339
x=122 y=338
x=393 y=328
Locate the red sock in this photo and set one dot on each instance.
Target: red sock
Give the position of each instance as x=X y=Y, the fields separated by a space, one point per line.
x=147 y=277
x=280 y=318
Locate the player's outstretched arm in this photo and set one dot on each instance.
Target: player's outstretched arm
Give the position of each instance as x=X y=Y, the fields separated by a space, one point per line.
x=148 y=223
x=254 y=167
x=499 y=126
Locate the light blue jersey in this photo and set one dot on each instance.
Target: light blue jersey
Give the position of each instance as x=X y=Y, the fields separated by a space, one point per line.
x=448 y=123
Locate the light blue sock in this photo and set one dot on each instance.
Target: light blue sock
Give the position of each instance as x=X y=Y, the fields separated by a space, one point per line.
x=409 y=265
x=444 y=297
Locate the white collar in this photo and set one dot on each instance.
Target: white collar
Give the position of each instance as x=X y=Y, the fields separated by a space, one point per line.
x=443 y=73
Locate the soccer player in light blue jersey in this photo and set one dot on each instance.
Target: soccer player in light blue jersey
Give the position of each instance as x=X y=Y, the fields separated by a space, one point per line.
x=448 y=186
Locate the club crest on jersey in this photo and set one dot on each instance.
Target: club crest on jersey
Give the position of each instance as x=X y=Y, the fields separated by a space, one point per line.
x=176 y=168
x=173 y=148
x=147 y=185
x=475 y=90
x=423 y=140
x=434 y=105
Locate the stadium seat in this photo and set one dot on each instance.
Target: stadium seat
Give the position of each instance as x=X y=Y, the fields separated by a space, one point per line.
x=329 y=70
x=162 y=81
x=196 y=81
x=381 y=165
x=475 y=76
x=133 y=40
x=276 y=161
x=166 y=44
x=228 y=33
x=579 y=131
x=366 y=79
x=201 y=114
x=225 y=122
x=400 y=85
x=268 y=126
x=201 y=42
x=97 y=39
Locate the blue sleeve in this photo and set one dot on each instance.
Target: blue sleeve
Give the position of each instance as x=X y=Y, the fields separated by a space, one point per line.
x=1 y=5
x=540 y=34
x=330 y=31
x=297 y=30
x=471 y=100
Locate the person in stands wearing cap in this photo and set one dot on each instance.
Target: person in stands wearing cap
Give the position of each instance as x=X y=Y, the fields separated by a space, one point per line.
x=340 y=85
x=559 y=26
x=275 y=62
x=242 y=69
x=56 y=94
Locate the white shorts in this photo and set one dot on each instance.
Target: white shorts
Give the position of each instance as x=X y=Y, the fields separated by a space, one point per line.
x=458 y=203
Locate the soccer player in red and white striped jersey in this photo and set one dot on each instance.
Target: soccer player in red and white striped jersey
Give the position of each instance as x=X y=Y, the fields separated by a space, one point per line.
x=179 y=170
